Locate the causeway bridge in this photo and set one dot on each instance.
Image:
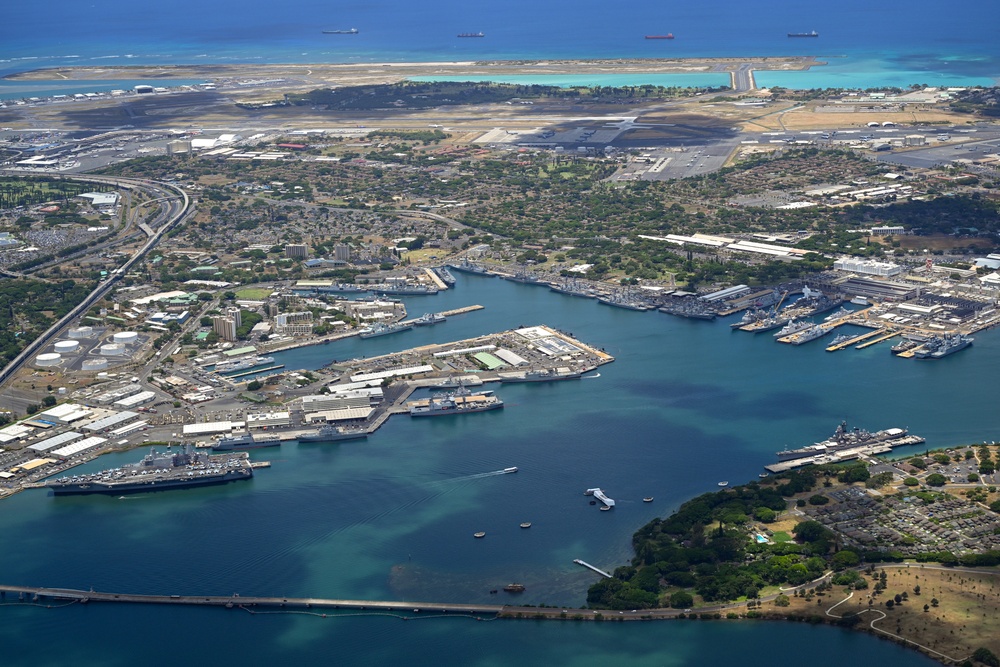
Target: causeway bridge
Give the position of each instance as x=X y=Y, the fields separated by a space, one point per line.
x=34 y=594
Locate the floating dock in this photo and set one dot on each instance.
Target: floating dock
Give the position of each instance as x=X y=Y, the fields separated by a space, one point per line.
x=591 y=567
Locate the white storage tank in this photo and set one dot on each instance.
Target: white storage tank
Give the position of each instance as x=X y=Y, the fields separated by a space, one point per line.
x=112 y=349
x=81 y=332
x=48 y=359
x=125 y=337
x=64 y=346
x=95 y=365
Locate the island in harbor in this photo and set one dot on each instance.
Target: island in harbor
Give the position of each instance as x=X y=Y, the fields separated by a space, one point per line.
x=904 y=549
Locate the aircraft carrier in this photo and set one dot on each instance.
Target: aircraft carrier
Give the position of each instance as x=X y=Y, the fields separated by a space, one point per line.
x=159 y=471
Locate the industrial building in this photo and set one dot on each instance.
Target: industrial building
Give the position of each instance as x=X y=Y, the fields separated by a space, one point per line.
x=867 y=266
x=141 y=398
x=268 y=419
x=109 y=397
x=343 y=414
x=360 y=398
x=111 y=421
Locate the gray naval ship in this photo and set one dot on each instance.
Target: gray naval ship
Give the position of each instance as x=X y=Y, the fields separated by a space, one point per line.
x=159 y=471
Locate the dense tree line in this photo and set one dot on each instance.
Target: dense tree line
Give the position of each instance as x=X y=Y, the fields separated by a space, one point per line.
x=29 y=307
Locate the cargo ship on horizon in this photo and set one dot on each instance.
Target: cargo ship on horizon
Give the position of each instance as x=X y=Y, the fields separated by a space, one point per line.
x=472 y=34
x=669 y=35
x=804 y=34
x=351 y=31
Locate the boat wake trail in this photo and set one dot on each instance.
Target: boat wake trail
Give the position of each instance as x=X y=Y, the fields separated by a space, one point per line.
x=591 y=377
x=481 y=475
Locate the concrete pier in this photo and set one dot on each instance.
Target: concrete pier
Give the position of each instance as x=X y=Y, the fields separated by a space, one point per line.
x=591 y=567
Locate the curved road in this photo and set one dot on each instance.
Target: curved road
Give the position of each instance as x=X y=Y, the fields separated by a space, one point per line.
x=175 y=210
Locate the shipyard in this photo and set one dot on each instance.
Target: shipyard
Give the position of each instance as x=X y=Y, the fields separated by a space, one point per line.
x=350 y=401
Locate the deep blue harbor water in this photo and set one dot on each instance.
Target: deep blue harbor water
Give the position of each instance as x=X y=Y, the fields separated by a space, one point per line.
x=685 y=404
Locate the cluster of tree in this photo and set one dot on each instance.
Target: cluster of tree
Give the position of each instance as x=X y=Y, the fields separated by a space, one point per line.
x=424 y=136
x=20 y=191
x=29 y=307
x=704 y=546
x=425 y=95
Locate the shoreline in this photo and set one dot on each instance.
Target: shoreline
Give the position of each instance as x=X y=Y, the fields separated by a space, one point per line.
x=403 y=70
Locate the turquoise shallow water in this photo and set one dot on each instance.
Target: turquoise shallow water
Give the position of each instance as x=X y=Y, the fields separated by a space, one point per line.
x=685 y=405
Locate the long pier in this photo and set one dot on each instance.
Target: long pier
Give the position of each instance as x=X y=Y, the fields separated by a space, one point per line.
x=255 y=371
x=878 y=340
x=34 y=594
x=854 y=340
x=591 y=567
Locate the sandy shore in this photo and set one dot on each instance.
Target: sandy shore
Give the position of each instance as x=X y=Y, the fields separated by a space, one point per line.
x=390 y=72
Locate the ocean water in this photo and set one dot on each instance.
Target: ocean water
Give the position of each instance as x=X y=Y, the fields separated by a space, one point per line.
x=871 y=42
x=685 y=405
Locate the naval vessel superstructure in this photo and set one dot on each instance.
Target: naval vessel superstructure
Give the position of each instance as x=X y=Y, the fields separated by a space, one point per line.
x=843 y=438
x=159 y=471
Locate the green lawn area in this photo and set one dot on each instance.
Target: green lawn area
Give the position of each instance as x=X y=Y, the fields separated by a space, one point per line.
x=782 y=536
x=253 y=293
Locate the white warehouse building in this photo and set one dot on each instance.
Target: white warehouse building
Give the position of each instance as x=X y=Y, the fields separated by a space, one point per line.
x=868 y=267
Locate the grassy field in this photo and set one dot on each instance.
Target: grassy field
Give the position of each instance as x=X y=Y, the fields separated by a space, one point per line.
x=253 y=293
x=425 y=255
x=962 y=620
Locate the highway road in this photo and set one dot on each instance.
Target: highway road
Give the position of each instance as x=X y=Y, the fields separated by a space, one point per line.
x=174 y=211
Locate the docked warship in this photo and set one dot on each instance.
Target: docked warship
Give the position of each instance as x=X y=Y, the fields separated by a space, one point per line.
x=246 y=441
x=793 y=327
x=331 y=434
x=843 y=438
x=938 y=347
x=455 y=402
x=159 y=471
x=468 y=267
x=542 y=375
